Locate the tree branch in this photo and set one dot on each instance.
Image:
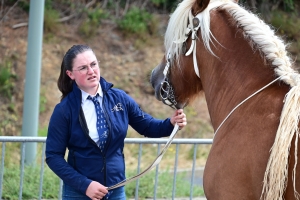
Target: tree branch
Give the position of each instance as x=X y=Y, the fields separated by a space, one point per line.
x=11 y=8
x=104 y=4
x=20 y=25
x=126 y=7
x=2 y=5
x=117 y=9
x=144 y=4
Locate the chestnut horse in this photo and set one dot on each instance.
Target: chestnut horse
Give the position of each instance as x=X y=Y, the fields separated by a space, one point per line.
x=252 y=93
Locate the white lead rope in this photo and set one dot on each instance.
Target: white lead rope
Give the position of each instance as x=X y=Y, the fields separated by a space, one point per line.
x=245 y=101
x=155 y=162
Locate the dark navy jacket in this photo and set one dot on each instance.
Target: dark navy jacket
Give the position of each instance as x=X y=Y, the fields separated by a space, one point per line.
x=85 y=163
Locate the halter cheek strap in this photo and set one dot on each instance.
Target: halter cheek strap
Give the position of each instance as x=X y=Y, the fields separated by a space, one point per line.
x=193 y=27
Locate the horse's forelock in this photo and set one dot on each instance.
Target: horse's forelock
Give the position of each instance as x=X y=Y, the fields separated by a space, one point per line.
x=177 y=26
x=179 y=21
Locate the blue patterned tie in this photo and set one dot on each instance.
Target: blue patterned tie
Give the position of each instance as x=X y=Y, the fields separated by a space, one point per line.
x=101 y=122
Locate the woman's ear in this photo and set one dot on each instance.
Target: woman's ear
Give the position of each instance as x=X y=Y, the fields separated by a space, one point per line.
x=70 y=74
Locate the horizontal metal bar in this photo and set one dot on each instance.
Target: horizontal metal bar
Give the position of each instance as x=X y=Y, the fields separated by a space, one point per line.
x=127 y=140
x=22 y=139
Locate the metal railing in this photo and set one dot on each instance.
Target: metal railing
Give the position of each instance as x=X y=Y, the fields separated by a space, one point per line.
x=140 y=141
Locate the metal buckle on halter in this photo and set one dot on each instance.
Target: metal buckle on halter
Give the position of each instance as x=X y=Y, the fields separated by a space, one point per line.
x=166 y=90
x=167 y=94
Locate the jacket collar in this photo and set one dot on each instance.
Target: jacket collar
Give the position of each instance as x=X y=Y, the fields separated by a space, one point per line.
x=105 y=85
x=76 y=93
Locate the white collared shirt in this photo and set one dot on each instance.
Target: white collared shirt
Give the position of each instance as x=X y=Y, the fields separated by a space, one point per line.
x=89 y=111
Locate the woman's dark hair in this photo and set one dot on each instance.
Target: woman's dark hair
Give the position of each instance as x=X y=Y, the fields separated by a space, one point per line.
x=64 y=82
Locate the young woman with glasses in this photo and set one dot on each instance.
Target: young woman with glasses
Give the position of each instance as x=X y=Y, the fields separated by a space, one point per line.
x=91 y=121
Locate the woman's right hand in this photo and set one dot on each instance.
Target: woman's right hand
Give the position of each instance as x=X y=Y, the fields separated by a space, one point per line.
x=96 y=191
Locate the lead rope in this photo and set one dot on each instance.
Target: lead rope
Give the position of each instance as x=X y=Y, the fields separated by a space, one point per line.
x=245 y=101
x=155 y=162
x=175 y=129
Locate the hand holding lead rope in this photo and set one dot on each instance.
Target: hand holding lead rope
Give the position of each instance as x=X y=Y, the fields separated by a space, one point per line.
x=179 y=121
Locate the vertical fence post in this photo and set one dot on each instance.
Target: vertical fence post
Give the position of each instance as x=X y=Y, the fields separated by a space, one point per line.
x=156 y=173
x=2 y=168
x=32 y=76
x=175 y=171
x=138 y=171
x=22 y=170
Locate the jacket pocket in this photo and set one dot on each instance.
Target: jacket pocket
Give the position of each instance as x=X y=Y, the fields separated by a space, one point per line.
x=72 y=159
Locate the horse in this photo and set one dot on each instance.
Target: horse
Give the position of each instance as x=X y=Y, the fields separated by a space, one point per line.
x=252 y=91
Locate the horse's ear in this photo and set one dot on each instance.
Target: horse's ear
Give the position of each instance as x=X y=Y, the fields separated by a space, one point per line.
x=200 y=6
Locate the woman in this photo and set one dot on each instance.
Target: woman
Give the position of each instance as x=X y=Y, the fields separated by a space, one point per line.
x=92 y=121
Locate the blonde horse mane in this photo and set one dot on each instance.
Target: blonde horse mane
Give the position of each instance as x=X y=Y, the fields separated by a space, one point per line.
x=274 y=51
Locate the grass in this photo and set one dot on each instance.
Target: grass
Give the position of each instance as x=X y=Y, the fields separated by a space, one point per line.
x=50 y=187
x=31 y=183
x=51 y=183
x=164 y=188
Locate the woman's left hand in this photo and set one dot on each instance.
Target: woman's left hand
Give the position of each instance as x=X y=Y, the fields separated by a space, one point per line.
x=179 y=118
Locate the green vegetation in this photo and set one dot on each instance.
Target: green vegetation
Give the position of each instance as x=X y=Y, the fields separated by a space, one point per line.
x=89 y=26
x=31 y=183
x=288 y=26
x=164 y=186
x=51 y=17
x=42 y=132
x=43 y=101
x=271 y=5
x=31 y=178
x=289 y=4
x=136 y=21
x=24 y=4
x=7 y=78
x=50 y=187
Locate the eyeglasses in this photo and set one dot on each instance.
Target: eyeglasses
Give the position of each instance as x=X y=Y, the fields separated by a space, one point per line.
x=84 y=69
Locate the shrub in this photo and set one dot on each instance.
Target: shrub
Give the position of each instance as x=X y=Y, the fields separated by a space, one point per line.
x=88 y=28
x=51 y=17
x=135 y=21
x=6 y=79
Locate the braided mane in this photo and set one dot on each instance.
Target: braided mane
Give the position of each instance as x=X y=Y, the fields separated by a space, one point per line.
x=273 y=49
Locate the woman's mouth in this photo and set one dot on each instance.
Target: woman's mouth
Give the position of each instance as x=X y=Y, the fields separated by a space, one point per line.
x=91 y=78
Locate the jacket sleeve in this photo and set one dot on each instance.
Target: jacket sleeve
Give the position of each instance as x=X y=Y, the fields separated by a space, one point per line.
x=145 y=124
x=56 y=144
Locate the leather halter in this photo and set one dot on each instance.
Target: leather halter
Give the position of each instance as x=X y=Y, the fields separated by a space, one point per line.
x=166 y=90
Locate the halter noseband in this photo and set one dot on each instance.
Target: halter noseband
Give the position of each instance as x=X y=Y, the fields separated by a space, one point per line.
x=166 y=90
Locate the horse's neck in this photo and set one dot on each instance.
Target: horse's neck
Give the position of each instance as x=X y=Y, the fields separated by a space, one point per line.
x=237 y=73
